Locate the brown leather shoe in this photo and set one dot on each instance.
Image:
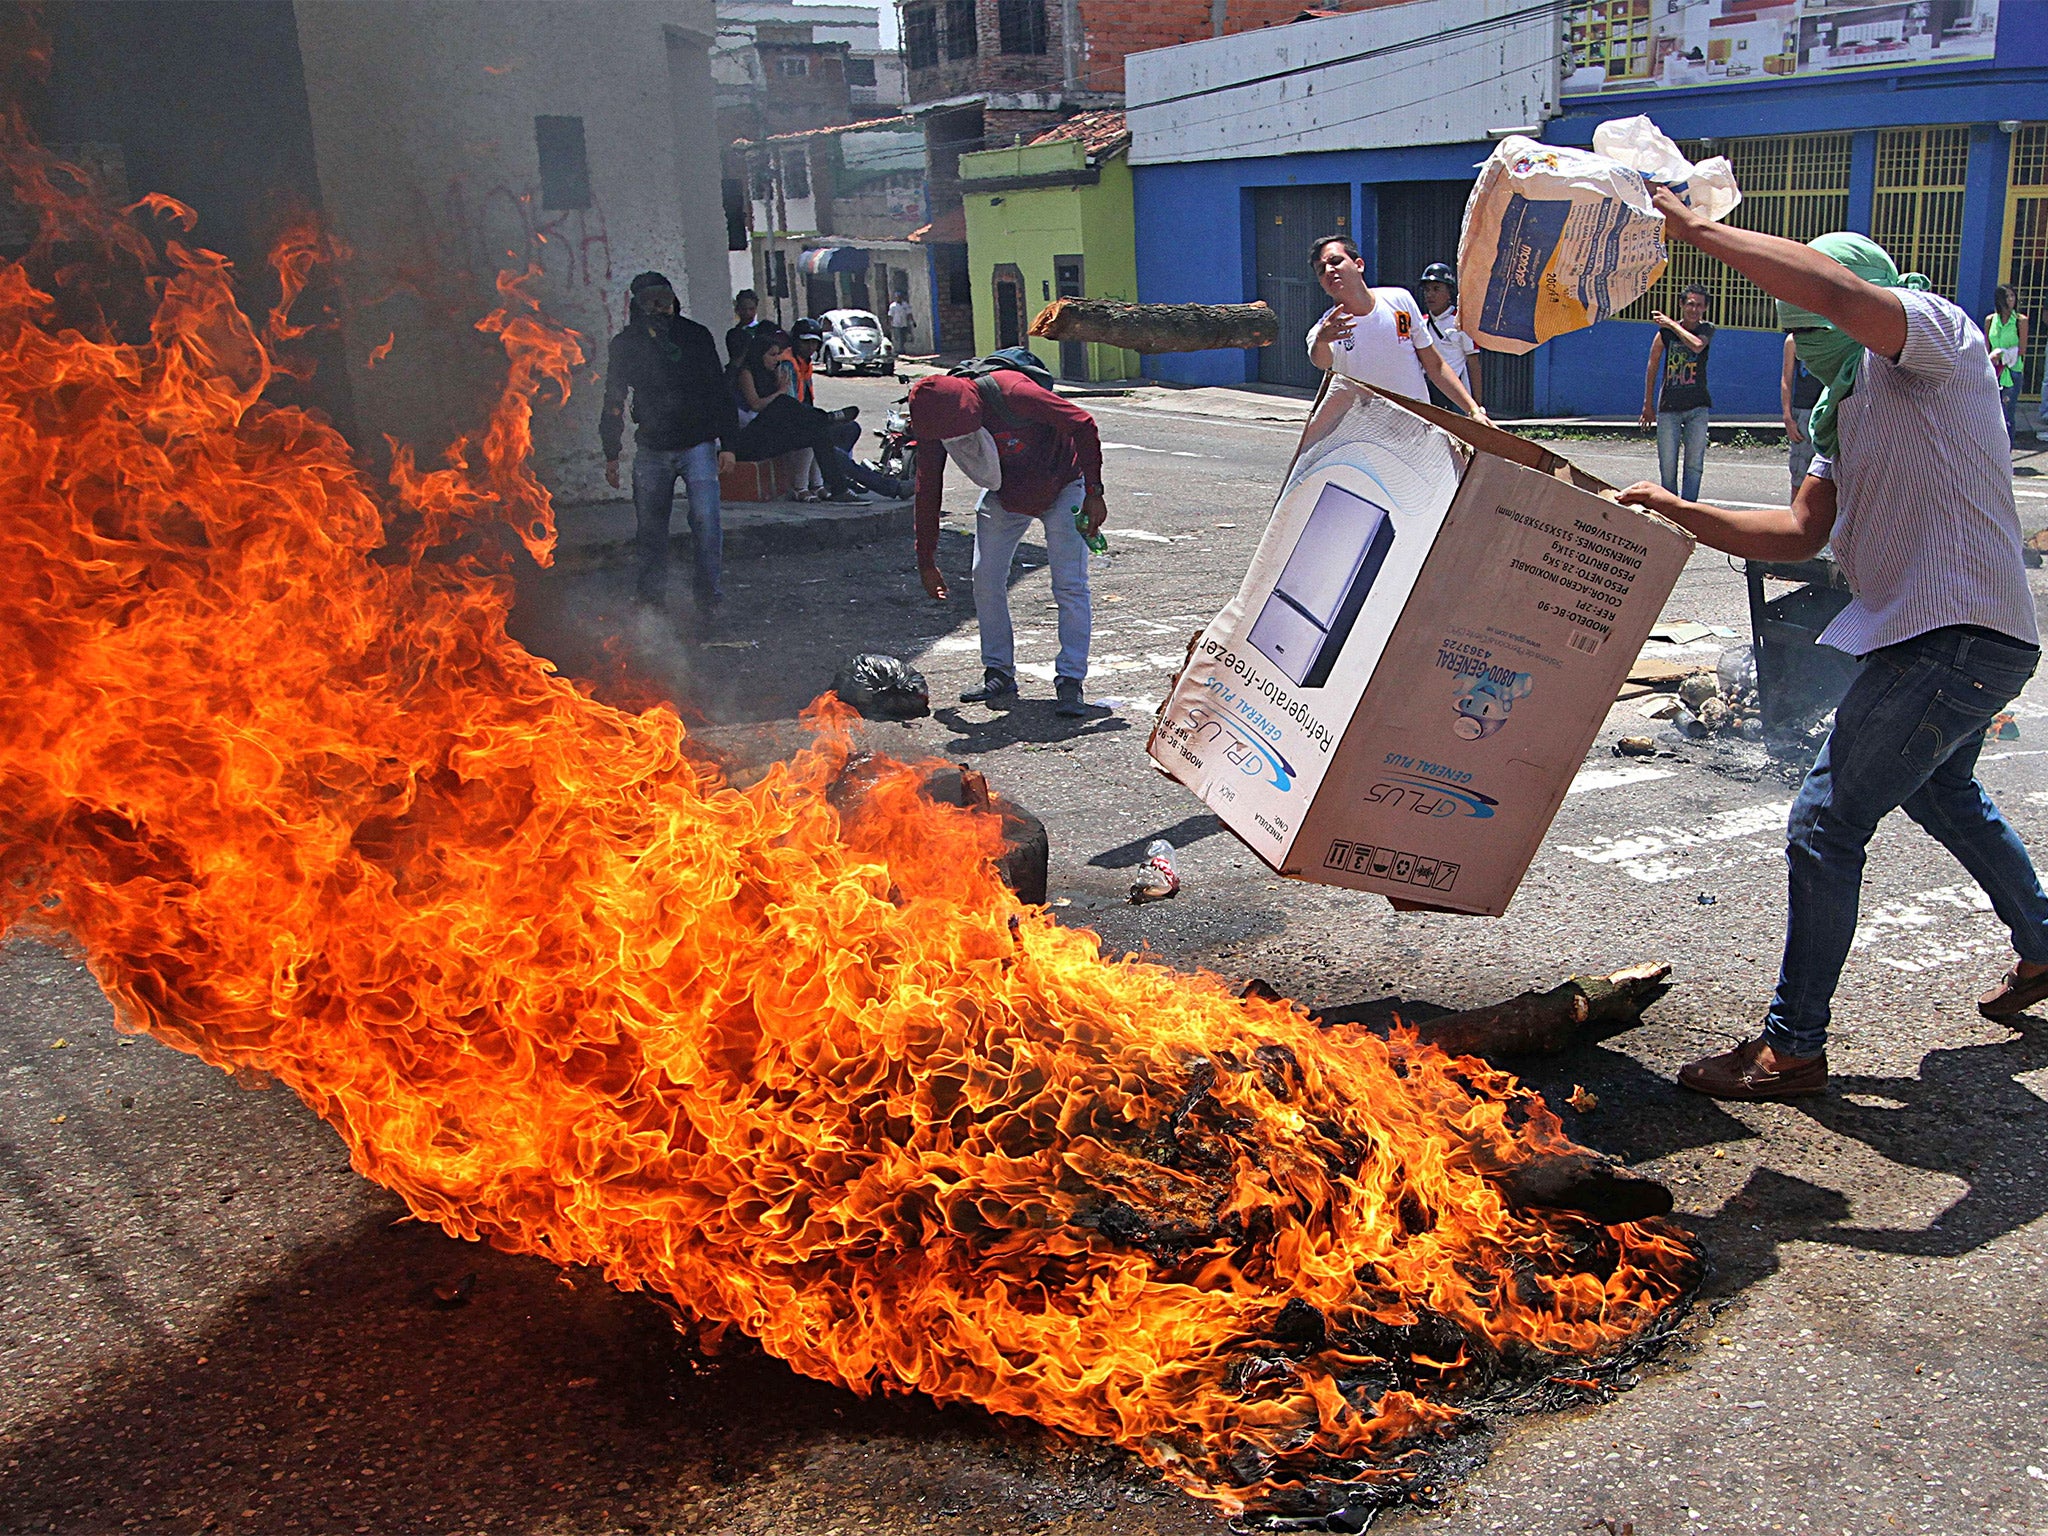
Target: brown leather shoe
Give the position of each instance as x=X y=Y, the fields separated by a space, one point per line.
x=1740 y=1074
x=2015 y=994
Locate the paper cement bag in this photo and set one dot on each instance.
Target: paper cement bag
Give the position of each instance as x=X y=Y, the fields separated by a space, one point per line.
x=1556 y=238
x=1434 y=627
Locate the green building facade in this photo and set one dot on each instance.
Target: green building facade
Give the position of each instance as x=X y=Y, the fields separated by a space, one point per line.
x=1046 y=220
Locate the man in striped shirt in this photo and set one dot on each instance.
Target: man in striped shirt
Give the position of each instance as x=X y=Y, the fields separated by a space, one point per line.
x=1913 y=486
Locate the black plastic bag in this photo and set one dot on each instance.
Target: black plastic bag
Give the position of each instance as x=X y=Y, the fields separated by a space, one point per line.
x=883 y=687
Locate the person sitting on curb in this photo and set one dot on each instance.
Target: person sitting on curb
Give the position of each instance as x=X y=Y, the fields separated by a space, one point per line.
x=1038 y=460
x=1912 y=485
x=774 y=422
x=1377 y=335
x=683 y=428
x=805 y=338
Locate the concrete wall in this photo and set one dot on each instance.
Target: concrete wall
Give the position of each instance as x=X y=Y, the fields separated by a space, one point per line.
x=1374 y=79
x=423 y=124
x=1029 y=227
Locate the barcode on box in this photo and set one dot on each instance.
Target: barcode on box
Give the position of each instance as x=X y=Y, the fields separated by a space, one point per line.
x=1583 y=640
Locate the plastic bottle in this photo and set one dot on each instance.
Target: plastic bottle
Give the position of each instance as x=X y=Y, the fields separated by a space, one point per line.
x=1097 y=544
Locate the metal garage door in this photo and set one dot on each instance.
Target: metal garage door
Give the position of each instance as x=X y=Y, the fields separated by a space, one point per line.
x=1418 y=224
x=1288 y=220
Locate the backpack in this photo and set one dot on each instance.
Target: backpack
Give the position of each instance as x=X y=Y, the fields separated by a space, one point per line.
x=1016 y=359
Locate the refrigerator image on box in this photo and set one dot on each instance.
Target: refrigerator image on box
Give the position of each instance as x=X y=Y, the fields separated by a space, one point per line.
x=1328 y=577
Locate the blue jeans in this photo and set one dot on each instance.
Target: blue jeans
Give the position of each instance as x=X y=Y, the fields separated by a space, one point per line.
x=1800 y=454
x=2009 y=402
x=1692 y=426
x=655 y=472
x=997 y=533
x=1906 y=735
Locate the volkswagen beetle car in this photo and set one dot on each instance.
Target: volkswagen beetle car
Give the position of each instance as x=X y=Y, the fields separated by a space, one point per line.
x=856 y=343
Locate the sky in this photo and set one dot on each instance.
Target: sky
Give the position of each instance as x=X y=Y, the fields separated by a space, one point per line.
x=887 y=8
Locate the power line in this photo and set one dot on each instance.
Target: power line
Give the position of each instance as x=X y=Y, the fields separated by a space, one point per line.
x=1181 y=129
x=1482 y=25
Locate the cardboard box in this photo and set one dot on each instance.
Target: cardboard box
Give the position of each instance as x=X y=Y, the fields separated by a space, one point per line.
x=1434 y=627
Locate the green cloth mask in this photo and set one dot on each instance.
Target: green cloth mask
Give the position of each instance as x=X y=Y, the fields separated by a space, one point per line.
x=1831 y=354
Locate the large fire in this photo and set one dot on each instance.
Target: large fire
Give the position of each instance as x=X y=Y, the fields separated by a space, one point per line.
x=791 y=1054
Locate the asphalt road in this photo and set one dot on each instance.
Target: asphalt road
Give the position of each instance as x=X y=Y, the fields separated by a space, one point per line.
x=207 y=1321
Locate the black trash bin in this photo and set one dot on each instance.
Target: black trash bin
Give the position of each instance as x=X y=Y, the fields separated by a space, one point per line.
x=1796 y=678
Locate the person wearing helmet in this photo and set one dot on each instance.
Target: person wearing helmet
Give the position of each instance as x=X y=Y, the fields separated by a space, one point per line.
x=1437 y=288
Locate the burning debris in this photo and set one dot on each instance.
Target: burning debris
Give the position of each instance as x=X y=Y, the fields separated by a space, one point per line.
x=789 y=1054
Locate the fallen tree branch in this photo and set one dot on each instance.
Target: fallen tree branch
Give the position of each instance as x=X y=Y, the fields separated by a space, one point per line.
x=1544 y=1023
x=1158 y=327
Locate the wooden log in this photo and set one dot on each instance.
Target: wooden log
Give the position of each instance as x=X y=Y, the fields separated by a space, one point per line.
x=1533 y=1024
x=1158 y=327
x=1544 y=1023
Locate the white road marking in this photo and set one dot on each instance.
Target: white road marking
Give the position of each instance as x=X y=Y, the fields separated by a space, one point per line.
x=1947 y=925
x=1590 y=779
x=1177 y=453
x=1658 y=854
x=1143 y=535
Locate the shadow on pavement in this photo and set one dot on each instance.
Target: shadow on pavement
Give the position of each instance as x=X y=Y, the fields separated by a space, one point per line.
x=340 y=1396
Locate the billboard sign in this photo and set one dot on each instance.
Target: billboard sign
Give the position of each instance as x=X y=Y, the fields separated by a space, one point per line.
x=1639 y=45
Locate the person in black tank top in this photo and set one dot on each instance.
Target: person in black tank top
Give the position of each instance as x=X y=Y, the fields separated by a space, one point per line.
x=1675 y=398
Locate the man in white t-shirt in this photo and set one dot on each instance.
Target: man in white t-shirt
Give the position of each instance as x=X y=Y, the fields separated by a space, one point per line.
x=1377 y=335
x=902 y=323
x=1438 y=290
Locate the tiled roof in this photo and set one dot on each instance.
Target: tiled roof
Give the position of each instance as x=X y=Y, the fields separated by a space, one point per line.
x=900 y=122
x=1100 y=133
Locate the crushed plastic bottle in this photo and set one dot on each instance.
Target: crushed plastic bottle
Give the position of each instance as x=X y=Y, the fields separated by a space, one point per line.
x=1097 y=542
x=1157 y=877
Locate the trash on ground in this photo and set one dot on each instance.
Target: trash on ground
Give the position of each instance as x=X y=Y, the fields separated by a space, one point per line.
x=1684 y=632
x=454 y=1293
x=1722 y=702
x=883 y=687
x=1157 y=876
x=1557 y=238
x=1635 y=746
x=2003 y=728
x=1581 y=1100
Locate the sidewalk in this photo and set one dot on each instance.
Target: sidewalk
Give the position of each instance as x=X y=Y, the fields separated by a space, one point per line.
x=593 y=532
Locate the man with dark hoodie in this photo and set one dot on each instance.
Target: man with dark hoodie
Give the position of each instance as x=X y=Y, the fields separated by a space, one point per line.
x=683 y=417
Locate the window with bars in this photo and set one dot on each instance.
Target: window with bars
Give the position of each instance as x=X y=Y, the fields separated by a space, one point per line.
x=1918 y=215
x=1021 y=24
x=920 y=36
x=1794 y=185
x=962 y=42
x=2026 y=244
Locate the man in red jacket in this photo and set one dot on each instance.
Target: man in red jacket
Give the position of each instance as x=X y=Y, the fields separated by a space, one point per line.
x=1037 y=458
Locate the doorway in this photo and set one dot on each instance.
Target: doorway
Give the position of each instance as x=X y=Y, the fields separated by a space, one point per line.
x=1067 y=284
x=1288 y=220
x=1009 y=296
x=1418 y=224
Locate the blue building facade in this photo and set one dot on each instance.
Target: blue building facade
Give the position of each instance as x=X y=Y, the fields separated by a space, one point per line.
x=1947 y=166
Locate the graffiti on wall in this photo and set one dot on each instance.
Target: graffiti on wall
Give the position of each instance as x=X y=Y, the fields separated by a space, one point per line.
x=469 y=234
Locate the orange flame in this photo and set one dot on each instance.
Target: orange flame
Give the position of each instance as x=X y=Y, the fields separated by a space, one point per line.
x=381 y=351
x=791 y=1055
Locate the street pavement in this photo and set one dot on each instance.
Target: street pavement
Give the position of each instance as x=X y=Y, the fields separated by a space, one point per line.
x=207 y=1321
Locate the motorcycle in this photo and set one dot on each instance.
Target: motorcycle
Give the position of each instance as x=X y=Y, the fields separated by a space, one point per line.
x=892 y=452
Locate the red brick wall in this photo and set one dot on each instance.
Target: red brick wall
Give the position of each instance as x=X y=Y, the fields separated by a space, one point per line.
x=1110 y=29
